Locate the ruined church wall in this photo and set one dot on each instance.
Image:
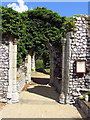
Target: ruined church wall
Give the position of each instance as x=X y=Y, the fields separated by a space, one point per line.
x=79 y=50
x=88 y=54
x=4 y=68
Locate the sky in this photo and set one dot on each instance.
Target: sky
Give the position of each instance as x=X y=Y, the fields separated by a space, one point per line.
x=67 y=8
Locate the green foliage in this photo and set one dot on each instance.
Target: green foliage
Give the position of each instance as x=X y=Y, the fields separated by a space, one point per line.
x=34 y=28
x=0 y=17
x=32 y=70
x=80 y=15
x=77 y=15
x=82 y=98
x=88 y=93
x=48 y=70
x=39 y=65
x=10 y=22
x=42 y=52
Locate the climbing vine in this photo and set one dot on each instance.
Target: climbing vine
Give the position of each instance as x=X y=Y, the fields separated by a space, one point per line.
x=34 y=27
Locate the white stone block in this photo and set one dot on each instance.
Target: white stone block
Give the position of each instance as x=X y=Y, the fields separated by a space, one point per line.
x=78 y=31
x=77 y=43
x=78 y=18
x=81 y=22
x=77 y=24
x=83 y=18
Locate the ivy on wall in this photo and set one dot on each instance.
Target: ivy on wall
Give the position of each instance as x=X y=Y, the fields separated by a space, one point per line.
x=34 y=27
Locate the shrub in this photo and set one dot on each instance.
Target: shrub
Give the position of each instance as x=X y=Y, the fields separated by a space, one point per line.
x=82 y=98
x=39 y=65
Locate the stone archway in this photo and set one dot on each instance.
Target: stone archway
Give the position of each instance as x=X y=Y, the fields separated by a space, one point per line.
x=55 y=65
x=62 y=70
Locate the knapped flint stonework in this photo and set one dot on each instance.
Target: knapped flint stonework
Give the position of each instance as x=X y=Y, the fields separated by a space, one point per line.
x=80 y=50
x=4 y=67
x=88 y=54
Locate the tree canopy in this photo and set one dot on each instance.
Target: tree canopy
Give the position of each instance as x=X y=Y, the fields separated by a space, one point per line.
x=34 y=27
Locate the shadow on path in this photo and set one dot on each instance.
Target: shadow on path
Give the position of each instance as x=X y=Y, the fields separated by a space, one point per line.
x=40 y=86
x=43 y=81
x=46 y=91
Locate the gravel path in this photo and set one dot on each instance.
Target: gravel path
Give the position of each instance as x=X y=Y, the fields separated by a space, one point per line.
x=39 y=101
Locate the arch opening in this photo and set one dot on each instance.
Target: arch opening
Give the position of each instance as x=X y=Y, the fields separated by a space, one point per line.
x=34 y=28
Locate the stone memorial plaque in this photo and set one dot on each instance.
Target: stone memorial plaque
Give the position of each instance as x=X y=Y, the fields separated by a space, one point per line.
x=81 y=66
